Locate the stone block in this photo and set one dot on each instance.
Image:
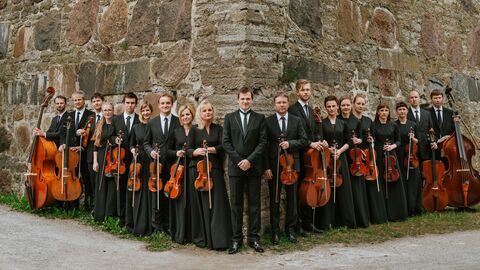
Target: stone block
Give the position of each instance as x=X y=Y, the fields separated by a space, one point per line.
x=386 y=82
x=306 y=14
x=175 y=20
x=398 y=61
x=351 y=21
x=19 y=47
x=6 y=140
x=4 y=39
x=23 y=133
x=432 y=36
x=114 y=22
x=47 y=32
x=309 y=69
x=455 y=52
x=384 y=28
x=474 y=47
x=174 y=65
x=82 y=21
x=141 y=30
x=90 y=77
x=3 y=4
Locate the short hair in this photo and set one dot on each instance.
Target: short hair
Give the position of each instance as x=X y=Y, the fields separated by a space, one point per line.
x=436 y=92
x=280 y=94
x=359 y=95
x=244 y=90
x=330 y=98
x=400 y=105
x=342 y=98
x=61 y=97
x=79 y=93
x=130 y=95
x=166 y=94
x=381 y=106
x=300 y=83
x=144 y=105
x=97 y=95
x=188 y=106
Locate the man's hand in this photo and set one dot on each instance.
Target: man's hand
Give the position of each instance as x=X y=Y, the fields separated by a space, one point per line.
x=154 y=154
x=80 y=132
x=316 y=145
x=284 y=145
x=244 y=165
x=39 y=132
x=268 y=174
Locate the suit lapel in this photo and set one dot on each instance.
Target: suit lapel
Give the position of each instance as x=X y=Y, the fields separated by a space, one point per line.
x=236 y=116
x=253 y=117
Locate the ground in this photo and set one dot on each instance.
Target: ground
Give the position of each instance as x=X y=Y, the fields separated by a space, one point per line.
x=31 y=242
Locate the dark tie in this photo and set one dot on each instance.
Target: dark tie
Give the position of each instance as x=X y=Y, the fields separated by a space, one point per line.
x=98 y=118
x=77 y=120
x=165 y=129
x=306 y=110
x=57 y=120
x=284 y=125
x=128 y=124
x=245 y=122
x=439 y=117
x=416 y=116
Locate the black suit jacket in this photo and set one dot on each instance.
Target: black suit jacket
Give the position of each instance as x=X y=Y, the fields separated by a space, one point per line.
x=91 y=144
x=448 y=127
x=422 y=128
x=241 y=146
x=119 y=124
x=154 y=136
x=54 y=132
x=74 y=139
x=296 y=137
x=309 y=122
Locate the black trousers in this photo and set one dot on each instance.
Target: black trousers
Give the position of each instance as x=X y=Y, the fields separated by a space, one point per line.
x=291 y=214
x=252 y=185
x=93 y=176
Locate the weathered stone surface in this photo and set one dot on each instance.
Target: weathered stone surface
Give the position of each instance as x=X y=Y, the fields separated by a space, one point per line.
x=82 y=21
x=114 y=22
x=455 y=52
x=4 y=39
x=469 y=7
x=384 y=28
x=386 y=82
x=174 y=16
x=397 y=61
x=305 y=68
x=6 y=183
x=3 y=4
x=23 y=135
x=47 y=32
x=63 y=78
x=173 y=67
x=351 y=20
x=17 y=116
x=474 y=47
x=90 y=77
x=141 y=30
x=432 y=36
x=306 y=14
x=6 y=140
x=19 y=47
x=466 y=88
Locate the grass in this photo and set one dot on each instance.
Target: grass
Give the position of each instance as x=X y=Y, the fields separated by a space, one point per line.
x=430 y=223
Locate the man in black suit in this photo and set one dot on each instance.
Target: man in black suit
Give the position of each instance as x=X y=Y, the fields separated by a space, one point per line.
x=291 y=128
x=442 y=119
x=424 y=123
x=123 y=123
x=159 y=132
x=54 y=131
x=244 y=140
x=302 y=110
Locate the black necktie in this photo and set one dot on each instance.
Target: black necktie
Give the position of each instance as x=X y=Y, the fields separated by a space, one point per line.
x=128 y=124
x=77 y=120
x=245 y=121
x=439 y=117
x=165 y=129
x=306 y=110
x=98 y=118
x=416 y=116
x=284 y=125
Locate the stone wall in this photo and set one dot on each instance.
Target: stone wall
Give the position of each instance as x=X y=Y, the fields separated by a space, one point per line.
x=205 y=48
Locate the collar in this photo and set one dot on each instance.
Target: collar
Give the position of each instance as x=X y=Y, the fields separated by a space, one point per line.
x=126 y=114
x=279 y=116
x=168 y=116
x=247 y=111
x=302 y=103
x=60 y=115
x=439 y=108
x=415 y=109
x=81 y=111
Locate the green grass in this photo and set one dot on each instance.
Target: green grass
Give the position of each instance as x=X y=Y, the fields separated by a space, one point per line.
x=431 y=223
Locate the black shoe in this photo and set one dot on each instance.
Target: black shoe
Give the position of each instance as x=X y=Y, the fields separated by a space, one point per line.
x=256 y=246
x=235 y=247
x=275 y=238
x=291 y=238
x=300 y=231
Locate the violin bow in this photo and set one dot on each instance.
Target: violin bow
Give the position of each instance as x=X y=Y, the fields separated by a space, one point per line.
x=375 y=163
x=277 y=176
x=208 y=178
x=157 y=161
x=185 y=174
x=334 y=169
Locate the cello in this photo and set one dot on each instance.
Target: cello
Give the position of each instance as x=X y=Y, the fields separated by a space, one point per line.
x=41 y=165
x=173 y=188
x=67 y=186
x=204 y=182
x=358 y=167
x=434 y=195
x=371 y=160
x=461 y=180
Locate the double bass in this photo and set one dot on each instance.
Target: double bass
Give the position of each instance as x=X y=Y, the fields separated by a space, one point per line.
x=41 y=165
x=434 y=195
x=462 y=181
x=67 y=186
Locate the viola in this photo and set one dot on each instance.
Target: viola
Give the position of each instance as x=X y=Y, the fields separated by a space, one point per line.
x=133 y=183
x=358 y=167
x=115 y=164
x=411 y=162
x=67 y=186
x=289 y=175
x=41 y=165
x=371 y=161
x=154 y=181
x=336 y=178
x=204 y=182
x=391 y=173
x=434 y=194
x=173 y=188
x=462 y=181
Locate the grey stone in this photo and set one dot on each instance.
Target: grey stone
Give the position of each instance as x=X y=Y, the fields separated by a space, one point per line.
x=3 y=4
x=88 y=78
x=309 y=69
x=4 y=39
x=6 y=140
x=174 y=66
x=141 y=30
x=174 y=16
x=306 y=14
x=47 y=32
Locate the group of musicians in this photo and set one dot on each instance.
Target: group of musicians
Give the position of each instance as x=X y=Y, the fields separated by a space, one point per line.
x=209 y=218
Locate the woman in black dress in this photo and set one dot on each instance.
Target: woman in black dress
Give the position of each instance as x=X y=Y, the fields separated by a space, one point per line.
x=341 y=200
x=105 y=190
x=359 y=192
x=385 y=130
x=142 y=212
x=412 y=184
x=180 y=214
x=212 y=225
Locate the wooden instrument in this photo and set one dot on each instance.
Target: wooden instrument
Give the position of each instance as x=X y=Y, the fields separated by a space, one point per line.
x=115 y=160
x=391 y=173
x=155 y=182
x=67 y=186
x=336 y=178
x=173 y=188
x=461 y=180
x=133 y=183
x=371 y=160
x=41 y=165
x=204 y=182
x=434 y=195
x=84 y=141
x=289 y=175
x=358 y=167
x=411 y=162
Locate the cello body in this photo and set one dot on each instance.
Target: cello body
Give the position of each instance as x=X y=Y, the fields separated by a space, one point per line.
x=315 y=188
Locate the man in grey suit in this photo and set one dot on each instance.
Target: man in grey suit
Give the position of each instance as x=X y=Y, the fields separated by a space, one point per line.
x=244 y=139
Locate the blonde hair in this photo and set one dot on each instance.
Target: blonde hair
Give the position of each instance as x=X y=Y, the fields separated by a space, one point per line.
x=99 y=128
x=198 y=115
x=144 y=105
x=188 y=106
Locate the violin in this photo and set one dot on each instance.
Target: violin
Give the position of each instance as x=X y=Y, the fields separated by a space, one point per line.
x=115 y=160
x=67 y=186
x=86 y=135
x=133 y=184
x=358 y=167
x=434 y=194
x=391 y=173
x=154 y=181
x=41 y=165
x=462 y=181
x=173 y=188
x=204 y=182
x=371 y=161
x=336 y=178
x=315 y=187
x=411 y=162
x=289 y=175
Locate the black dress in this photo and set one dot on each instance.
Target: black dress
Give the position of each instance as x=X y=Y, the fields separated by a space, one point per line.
x=180 y=214
x=393 y=192
x=341 y=212
x=211 y=227
x=412 y=185
x=142 y=210
x=359 y=191
x=106 y=195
